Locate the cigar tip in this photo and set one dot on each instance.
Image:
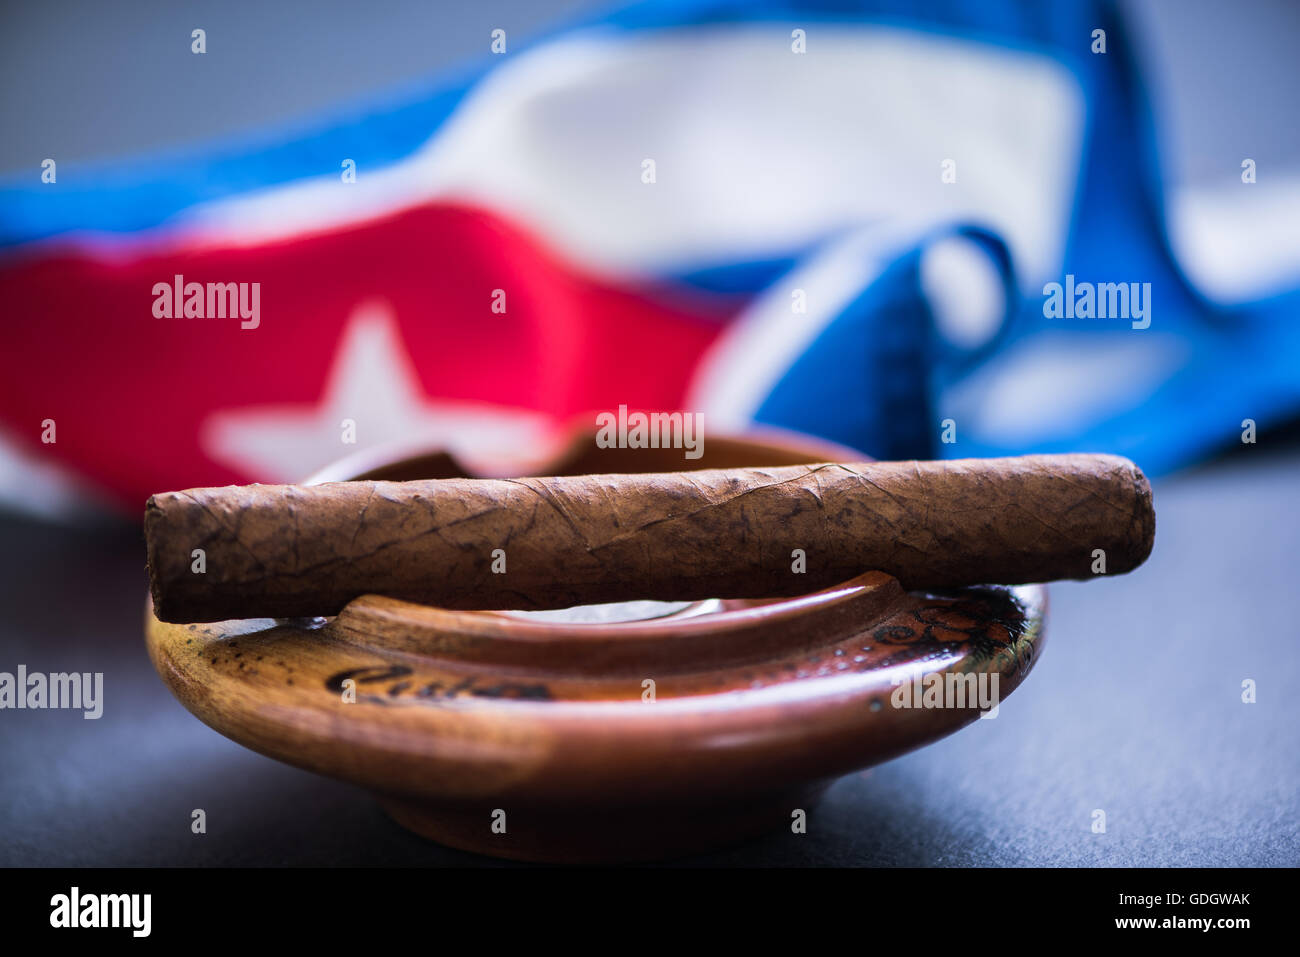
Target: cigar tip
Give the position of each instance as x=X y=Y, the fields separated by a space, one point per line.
x=1143 y=524
x=153 y=518
x=1146 y=514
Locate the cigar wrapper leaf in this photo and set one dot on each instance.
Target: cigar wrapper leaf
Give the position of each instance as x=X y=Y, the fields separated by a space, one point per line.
x=299 y=551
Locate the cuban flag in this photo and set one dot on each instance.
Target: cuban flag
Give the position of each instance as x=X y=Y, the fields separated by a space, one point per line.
x=873 y=222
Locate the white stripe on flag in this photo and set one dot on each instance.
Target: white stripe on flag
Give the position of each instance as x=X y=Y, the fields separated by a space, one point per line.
x=758 y=150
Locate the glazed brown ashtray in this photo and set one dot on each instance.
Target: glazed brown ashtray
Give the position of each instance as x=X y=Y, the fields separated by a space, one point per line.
x=608 y=733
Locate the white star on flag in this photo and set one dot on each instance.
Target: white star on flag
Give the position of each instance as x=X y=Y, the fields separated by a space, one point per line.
x=372 y=383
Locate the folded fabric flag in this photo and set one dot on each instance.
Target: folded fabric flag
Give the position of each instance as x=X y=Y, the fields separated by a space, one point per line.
x=919 y=229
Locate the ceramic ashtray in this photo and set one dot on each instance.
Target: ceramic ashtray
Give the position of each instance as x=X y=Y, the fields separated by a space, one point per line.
x=708 y=698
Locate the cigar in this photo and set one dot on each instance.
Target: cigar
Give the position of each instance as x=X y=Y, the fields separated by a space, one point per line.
x=537 y=543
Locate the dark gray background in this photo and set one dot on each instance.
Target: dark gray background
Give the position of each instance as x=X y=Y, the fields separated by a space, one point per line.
x=1134 y=708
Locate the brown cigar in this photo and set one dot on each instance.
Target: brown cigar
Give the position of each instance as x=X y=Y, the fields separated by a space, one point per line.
x=298 y=551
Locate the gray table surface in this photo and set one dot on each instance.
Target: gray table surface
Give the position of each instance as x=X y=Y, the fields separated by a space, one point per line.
x=1134 y=708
